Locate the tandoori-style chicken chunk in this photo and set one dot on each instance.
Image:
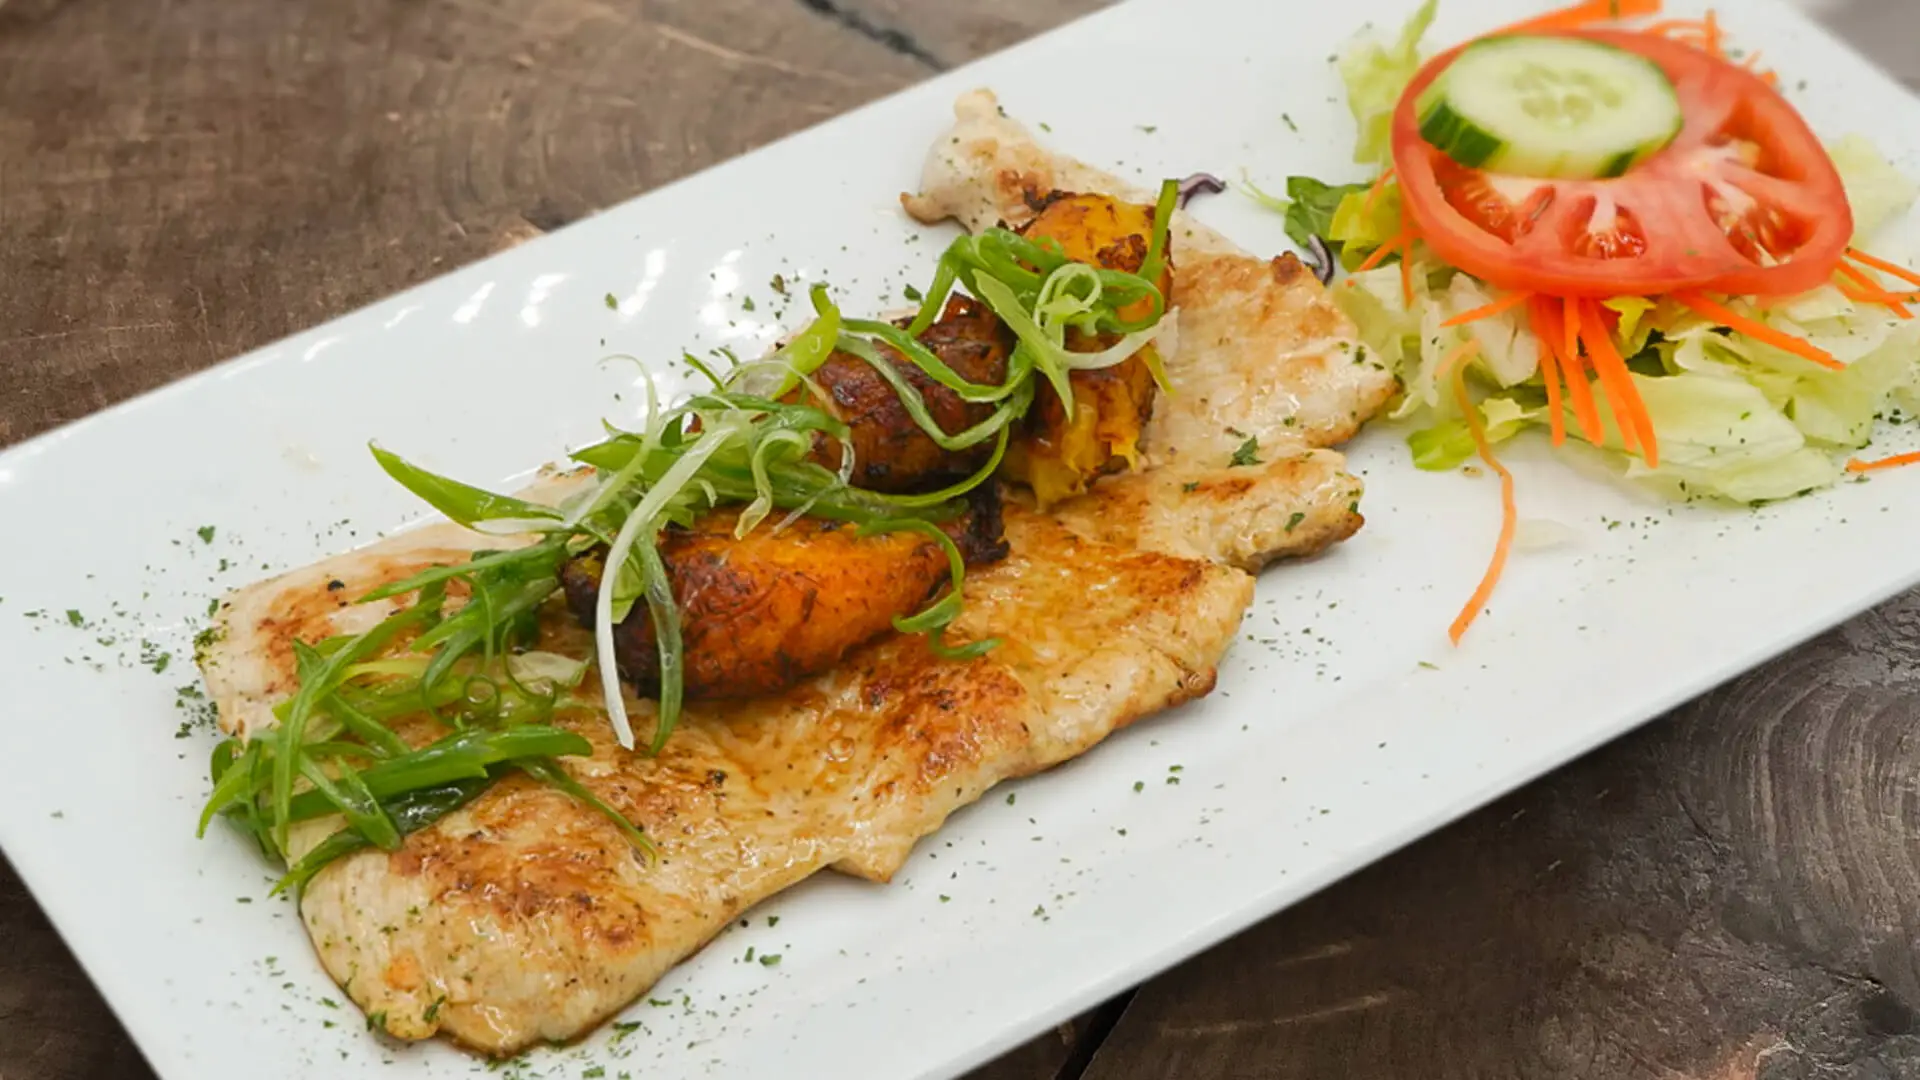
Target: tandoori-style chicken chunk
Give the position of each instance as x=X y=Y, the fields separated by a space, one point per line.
x=761 y=612
x=890 y=451
x=1058 y=455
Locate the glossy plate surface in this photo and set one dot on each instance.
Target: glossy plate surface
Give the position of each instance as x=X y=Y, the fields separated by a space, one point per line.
x=1344 y=727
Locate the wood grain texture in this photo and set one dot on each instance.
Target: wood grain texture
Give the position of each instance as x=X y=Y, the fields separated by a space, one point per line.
x=52 y=1021
x=181 y=182
x=945 y=35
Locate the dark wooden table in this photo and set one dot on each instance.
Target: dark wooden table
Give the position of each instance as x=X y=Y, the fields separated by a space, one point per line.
x=1731 y=894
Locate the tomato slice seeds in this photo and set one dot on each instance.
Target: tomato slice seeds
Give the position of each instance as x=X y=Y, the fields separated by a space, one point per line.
x=1744 y=200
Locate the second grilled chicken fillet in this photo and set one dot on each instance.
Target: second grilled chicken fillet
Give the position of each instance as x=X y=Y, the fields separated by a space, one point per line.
x=1263 y=351
x=761 y=612
x=1265 y=363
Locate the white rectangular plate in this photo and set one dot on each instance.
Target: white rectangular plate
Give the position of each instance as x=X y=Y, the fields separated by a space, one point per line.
x=1330 y=742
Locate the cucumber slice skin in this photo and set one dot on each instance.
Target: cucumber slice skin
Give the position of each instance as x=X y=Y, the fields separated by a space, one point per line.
x=1457 y=135
x=1503 y=105
x=1627 y=159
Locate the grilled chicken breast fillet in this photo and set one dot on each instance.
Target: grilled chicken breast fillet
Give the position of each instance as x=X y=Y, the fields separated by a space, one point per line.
x=524 y=916
x=1262 y=352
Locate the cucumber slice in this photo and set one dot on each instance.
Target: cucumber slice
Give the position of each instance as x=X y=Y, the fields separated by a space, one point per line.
x=1554 y=107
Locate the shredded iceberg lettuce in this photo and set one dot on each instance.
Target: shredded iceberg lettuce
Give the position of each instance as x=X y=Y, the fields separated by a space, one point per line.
x=1737 y=419
x=1391 y=328
x=1449 y=443
x=1876 y=190
x=1376 y=72
x=1363 y=221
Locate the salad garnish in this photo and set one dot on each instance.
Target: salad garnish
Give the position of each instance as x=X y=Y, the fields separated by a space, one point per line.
x=1626 y=239
x=396 y=726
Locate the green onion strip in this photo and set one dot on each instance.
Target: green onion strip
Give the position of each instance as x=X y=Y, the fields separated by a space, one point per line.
x=645 y=520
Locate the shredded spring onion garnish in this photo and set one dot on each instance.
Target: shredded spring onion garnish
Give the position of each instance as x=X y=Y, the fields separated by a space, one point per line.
x=746 y=442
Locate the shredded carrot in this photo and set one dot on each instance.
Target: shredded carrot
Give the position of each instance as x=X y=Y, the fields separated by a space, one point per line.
x=1583 y=14
x=1758 y=331
x=1629 y=410
x=1678 y=27
x=1463 y=351
x=1882 y=296
x=1857 y=294
x=1894 y=462
x=1488 y=311
x=1610 y=382
x=1712 y=23
x=1871 y=291
x=1541 y=311
x=1402 y=238
x=1509 y=515
x=1752 y=63
x=1868 y=283
x=1579 y=390
x=1373 y=193
x=1883 y=265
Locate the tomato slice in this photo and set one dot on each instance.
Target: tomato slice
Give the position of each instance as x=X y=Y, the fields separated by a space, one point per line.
x=1744 y=200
